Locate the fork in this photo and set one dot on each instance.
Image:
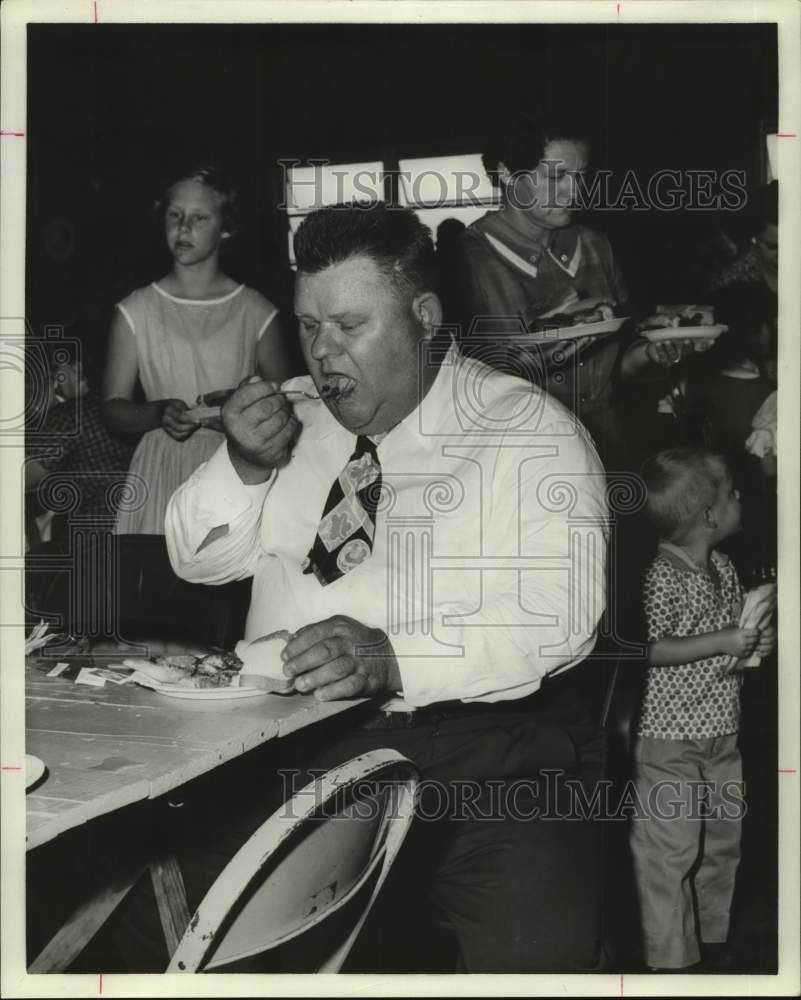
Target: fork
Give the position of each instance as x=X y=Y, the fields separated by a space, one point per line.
x=300 y=392
x=288 y=392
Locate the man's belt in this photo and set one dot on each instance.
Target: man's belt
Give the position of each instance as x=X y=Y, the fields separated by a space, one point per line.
x=564 y=690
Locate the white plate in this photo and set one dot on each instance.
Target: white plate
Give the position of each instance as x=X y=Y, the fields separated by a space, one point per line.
x=202 y=694
x=34 y=769
x=601 y=329
x=684 y=333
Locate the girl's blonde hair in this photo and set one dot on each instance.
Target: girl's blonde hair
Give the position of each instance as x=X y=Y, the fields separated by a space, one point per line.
x=215 y=179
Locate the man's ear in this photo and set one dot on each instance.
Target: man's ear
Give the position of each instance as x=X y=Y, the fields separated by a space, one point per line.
x=709 y=518
x=427 y=309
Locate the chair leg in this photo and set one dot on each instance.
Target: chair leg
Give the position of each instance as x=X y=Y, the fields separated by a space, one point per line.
x=609 y=694
x=85 y=922
x=168 y=886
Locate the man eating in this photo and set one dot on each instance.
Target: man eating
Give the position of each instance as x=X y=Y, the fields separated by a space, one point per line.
x=432 y=534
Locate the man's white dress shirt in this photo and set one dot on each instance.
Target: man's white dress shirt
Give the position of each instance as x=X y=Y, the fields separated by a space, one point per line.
x=487 y=570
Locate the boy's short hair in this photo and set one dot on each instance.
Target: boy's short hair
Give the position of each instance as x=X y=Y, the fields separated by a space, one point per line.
x=394 y=238
x=216 y=180
x=680 y=484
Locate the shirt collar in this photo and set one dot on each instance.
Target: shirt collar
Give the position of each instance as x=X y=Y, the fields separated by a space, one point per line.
x=687 y=562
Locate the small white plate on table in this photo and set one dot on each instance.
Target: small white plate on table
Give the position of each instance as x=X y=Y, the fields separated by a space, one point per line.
x=683 y=333
x=602 y=329
x=34 y=769
x=209 y=695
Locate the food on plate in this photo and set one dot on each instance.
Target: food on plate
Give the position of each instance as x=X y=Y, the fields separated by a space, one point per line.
x=216 y=669
x=262 y=665
x=161 y=672
x=225 y=678
x=597 y=312
x=676 y=317
x=252 y=664
x=215 y=663
x=181 y=661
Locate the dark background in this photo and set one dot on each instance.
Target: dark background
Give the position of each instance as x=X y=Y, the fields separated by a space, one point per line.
x=112 y=109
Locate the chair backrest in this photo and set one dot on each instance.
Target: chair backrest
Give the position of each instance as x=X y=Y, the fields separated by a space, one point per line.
x=154 y=601
x=338 y=835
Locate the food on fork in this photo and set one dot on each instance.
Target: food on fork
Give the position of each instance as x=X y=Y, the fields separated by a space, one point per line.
x=336 y=387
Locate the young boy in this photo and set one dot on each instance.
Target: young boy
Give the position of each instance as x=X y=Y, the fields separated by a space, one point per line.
x=687 y=767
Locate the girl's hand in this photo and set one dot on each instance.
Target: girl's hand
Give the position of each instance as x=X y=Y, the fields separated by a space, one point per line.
x=767 y=641
x=739 y=642
x=175 y=422
x=214 y=424
x=668 y=352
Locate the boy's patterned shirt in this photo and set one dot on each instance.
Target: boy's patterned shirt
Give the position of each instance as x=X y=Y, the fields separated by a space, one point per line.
x=696 y=700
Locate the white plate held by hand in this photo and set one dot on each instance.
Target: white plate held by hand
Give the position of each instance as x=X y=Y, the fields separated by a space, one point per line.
x=684 y=333
x=602 y=329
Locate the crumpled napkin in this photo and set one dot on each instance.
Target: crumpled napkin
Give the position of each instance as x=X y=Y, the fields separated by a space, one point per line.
x=758 y=608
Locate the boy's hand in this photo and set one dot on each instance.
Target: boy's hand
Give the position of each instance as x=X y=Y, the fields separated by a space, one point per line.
x=738 y=641
x=767 y=641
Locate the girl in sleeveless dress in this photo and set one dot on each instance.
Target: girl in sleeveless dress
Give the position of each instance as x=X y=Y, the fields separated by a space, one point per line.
x=194 y=331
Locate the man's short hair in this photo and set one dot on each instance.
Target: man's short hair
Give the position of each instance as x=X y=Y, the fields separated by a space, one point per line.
x=393 y=237
x=681 y=483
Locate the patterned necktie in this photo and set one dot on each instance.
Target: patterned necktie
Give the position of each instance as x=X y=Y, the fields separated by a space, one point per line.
x=345 y=536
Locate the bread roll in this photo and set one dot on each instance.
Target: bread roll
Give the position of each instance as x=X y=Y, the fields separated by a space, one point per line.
x=262 y=665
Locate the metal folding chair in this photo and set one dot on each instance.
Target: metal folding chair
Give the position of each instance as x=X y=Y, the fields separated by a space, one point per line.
x=331 y=844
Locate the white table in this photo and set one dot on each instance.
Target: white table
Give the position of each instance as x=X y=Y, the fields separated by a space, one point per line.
x=106 y=748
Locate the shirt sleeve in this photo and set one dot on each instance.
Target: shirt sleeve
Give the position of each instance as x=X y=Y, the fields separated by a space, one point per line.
x=662 y=599
x=478 y=288
x=267 y=312
x=531 y=621
x=214 y=497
